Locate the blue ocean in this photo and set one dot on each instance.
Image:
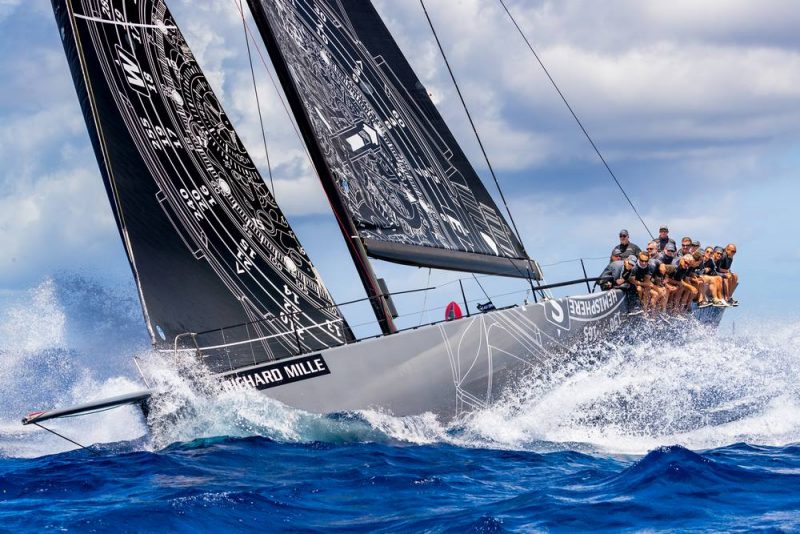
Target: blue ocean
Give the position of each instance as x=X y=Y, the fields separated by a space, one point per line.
x=700 y=435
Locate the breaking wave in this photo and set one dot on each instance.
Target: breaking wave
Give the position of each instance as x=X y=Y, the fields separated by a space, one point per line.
x=66 y=341
x=70 y=340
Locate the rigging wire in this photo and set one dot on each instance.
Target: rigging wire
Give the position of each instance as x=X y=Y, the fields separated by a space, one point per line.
x=61 y=436
x=425 y=299
x=530 y=270
x=472 y=124
x=278 y=91
x=258 y=102
x=481 y=286
x=575 y=116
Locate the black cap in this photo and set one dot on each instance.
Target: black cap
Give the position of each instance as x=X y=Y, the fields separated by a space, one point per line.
x=623 y=233
x=671 y=247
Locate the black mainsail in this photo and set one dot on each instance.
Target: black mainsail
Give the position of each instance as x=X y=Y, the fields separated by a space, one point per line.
x=388 y=162
x=208 y=245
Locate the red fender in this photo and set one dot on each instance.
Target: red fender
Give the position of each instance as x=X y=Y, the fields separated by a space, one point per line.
x=452 y=312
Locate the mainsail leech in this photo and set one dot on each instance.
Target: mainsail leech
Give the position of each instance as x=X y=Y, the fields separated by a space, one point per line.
x=394 y=165
x=207 y=242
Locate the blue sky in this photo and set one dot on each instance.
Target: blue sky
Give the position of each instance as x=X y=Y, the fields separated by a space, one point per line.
x=696 y=105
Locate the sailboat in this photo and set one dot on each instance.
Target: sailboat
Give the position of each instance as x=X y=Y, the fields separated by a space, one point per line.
x=220 y=273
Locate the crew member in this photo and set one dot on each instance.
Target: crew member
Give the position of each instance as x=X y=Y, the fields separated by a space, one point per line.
x=616 y=275
x=641 y=278
x=652 y=249
x=686 y=246
x=719 y=252
x=696 y=278
x=668 y=255
x=687 y=291
x=625 y=246
x=663 y=237
x=659 y=284
x=712 y=278
x=731 y=278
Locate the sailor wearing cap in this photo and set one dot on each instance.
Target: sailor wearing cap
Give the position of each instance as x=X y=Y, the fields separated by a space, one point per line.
x=625 y=246
x=663 y=237
x=667 y=256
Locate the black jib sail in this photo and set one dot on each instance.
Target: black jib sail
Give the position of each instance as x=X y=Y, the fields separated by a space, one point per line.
x=208 y=245
x=380 y=146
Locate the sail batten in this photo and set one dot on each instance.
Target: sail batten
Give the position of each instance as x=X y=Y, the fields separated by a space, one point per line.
x=387 y=157
x=207 y=243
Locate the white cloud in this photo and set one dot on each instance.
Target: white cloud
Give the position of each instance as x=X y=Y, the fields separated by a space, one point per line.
x=7 y=7
x=703 y=94
x=648 y=87
x=62 y=221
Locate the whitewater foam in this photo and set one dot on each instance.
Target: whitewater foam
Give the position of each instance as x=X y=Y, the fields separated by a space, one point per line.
x=703 y=391
x=40 y=368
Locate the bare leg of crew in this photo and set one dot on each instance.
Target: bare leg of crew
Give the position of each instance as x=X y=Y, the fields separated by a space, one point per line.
x=710 y=287
x=643 y=292
x=684 y=297
x=673 y=300
x=683 y=300
x=700 y=285
x=647 y=290
x=655 y=299
x=716 y=288
x=663 y=295
x=690 y=293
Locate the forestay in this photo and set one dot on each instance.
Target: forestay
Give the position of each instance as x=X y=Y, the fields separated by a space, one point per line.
x=387 y=158
x=208 y=245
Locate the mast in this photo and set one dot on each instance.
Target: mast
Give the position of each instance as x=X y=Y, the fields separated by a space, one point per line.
x=355 y=244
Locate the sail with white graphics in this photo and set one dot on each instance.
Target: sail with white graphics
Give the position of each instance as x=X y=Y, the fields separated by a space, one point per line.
x=383 y=151
x=208 y=244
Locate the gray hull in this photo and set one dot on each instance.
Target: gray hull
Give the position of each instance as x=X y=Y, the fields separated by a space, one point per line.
x=447 y=368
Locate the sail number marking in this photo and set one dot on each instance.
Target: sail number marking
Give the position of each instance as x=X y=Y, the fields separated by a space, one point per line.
x=160 y=137
x=198 y=201
x=244 y=257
